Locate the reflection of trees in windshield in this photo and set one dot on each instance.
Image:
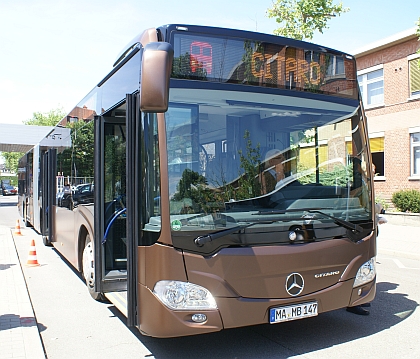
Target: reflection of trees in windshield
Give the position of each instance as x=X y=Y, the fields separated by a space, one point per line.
x=182 y=68
x=200 y=192
x=193 y=194
x=248 y=185
x=248 y=76
x=77 y=161
x=338 y=176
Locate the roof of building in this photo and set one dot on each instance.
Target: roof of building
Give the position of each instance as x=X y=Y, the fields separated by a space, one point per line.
x=386 y=42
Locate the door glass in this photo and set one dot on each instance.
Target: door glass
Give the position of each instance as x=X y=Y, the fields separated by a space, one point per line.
x=114 y=240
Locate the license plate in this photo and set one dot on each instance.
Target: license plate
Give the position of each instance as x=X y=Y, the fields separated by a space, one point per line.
x=292 y=312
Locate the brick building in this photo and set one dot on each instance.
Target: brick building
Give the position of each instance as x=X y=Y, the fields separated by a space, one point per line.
x=389 y=80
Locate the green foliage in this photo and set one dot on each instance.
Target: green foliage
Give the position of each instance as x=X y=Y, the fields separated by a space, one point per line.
x=11 y=160
x=192 y=194
x=338 y=176
x=407 y=200
x=189 y=184
x=13 y=179
x=250 y=48
x=77 y=161
x=299 y=19
x=181 y=68
x=51 y=118
x=418 y=35
x=418 y=28
x=248 y=184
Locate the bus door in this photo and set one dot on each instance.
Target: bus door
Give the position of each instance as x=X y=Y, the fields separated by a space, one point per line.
x=110 y=196
x=48 y=194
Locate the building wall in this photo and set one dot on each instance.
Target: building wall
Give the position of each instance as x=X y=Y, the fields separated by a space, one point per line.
x=395 y=117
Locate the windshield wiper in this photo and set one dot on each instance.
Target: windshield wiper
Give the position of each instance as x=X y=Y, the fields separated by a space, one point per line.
x=346 y=224
x=201 y=240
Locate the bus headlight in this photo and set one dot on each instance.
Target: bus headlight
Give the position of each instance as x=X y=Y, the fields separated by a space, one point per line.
x=366 y=273
x=183 y=295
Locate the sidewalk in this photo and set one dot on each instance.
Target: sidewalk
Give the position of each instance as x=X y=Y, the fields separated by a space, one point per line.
x=19 y=336
x=396 y=239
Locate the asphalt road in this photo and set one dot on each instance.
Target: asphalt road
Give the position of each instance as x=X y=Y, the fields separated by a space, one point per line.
x=72 y=325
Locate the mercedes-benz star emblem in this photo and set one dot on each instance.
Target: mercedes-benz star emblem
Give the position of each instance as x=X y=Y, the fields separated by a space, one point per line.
x=294 y=284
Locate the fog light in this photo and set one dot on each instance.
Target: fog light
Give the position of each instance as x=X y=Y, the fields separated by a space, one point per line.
x=199 y=318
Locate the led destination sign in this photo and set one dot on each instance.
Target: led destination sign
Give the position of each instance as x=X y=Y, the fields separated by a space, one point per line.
x=231 y=60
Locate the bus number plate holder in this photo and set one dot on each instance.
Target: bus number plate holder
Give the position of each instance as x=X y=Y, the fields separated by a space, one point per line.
x=293 y=312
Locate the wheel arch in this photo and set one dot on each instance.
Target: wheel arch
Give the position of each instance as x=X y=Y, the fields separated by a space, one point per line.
x=83 y=232
x=84 y=223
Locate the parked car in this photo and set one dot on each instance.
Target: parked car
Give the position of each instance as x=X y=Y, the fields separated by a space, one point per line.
x=82 y=194
x=9 y=190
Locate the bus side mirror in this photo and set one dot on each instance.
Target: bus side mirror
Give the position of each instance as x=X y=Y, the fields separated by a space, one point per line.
x=156 y=69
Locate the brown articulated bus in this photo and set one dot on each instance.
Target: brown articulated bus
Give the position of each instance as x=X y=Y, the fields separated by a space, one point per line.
x=217 y=188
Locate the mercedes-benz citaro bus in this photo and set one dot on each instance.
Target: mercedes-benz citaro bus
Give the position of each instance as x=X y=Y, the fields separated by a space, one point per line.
x=230 y=182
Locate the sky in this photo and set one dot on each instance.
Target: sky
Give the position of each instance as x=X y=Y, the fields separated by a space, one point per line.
x=53 y=52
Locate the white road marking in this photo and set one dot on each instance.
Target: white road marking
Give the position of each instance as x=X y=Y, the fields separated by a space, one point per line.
x=402 y=266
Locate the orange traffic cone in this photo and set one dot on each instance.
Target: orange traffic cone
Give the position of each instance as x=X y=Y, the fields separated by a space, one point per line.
x=32 y=260
x=17 y=229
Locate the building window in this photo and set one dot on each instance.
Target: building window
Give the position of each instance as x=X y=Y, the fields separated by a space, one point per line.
x=371 y=83
x=378 y=155
x=414 y=65
x=415 y=153
x=335 y=66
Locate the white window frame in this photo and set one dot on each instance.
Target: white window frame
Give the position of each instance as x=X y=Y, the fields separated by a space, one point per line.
x=417 y=96
x=332 y=69
x=365 y=82
x=413 y=130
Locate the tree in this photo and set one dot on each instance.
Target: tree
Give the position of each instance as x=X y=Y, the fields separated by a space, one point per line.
x=11 y=160
x=51 y=118
x=299 y=19
x=77 y=161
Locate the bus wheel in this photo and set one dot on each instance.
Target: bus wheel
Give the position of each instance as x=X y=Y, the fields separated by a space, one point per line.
x=89 y=268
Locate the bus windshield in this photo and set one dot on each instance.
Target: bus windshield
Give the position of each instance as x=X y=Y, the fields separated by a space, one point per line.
x=240 y=158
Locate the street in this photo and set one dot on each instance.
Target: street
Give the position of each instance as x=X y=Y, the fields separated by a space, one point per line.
x=72 y=325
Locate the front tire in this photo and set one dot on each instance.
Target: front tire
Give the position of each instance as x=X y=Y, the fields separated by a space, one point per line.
x=88 y=265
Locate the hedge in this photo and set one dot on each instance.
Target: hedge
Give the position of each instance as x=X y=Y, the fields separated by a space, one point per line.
x=407 y=200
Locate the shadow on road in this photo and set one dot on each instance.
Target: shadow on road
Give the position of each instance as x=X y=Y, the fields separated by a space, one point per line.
x=6 y=266
x=292 y=338
x=11 y=321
